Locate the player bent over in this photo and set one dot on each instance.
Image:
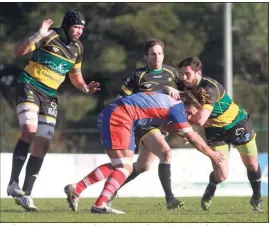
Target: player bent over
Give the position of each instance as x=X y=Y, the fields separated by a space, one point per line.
x=117 y=123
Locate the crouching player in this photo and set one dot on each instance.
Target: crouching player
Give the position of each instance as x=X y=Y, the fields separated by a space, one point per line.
x=117 y=123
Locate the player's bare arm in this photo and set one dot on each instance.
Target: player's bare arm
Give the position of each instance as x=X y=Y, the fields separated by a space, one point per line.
x=25 y=46
x=200 y=117
x=196 y=140
x=76 y=78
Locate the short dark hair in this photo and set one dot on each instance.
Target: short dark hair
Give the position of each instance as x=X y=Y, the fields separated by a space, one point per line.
x=149 y=44
x=189 y=99
x=194 y=62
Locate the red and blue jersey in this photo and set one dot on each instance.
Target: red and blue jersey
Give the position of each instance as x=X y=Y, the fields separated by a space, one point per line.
x=118 y=120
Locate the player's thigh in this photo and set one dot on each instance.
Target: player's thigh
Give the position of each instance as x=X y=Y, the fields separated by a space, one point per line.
x=156 y=143
x=27 y=107
x=244 y=138
x=47 y=116
x=145 y=159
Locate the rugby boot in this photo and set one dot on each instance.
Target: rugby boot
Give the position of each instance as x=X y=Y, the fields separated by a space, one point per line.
x=256 y=203
x=14 y=190
x=72 y=197
x=173 y=203
x=26 y=202
x=206 y=200
x=105 y=209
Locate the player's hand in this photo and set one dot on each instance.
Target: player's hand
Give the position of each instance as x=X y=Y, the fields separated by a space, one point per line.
x=172 y=92
x=93 y=87
x=218 y=157
x=44 y=28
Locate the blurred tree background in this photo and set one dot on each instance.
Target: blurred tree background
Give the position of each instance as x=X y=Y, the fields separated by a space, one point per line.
x=113 y=40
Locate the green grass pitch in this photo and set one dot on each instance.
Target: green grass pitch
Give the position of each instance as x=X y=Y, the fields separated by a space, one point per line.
x=145 y=210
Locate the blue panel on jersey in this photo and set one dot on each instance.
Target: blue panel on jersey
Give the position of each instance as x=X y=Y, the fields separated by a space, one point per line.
x=177 y=113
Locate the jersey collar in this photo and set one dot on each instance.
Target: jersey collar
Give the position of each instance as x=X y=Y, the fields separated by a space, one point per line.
x=158 y=71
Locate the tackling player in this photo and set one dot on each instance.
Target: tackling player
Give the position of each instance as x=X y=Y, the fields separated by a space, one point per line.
x=225 y=124
x=117 y=124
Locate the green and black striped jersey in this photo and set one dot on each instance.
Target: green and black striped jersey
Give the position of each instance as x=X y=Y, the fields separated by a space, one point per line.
x=225 y=113
x=144 y=79
x=51 y=61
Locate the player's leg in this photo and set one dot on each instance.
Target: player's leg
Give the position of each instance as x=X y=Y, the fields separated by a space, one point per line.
x=143 y=163
x=121 y=161
x=218 y=175
x=156 y=143
x=46 y=125
x=73 y=191
x=249 y=155
x=215 y=139
x=27 y=110
x=145 y=157
x=121 y=141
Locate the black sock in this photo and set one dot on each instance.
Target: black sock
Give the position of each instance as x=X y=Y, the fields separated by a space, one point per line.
x=211 y=187
x=164 y=173
x=255 y=182
x=32 y=169
x=131 y=177
x=19 y=156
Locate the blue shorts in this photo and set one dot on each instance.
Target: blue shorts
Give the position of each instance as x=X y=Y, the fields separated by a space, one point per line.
x=116 y=128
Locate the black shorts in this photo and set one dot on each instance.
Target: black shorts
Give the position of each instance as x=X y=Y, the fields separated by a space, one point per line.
x=240 y=134
x=47 y=104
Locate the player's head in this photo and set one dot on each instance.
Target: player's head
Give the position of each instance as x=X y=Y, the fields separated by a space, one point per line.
x=192 y=105
x=190 y=71
x=154 y=54
x=73 y=24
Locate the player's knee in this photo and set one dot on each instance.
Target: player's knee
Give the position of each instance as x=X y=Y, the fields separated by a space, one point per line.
x=252 y=166
x=124 y=162
x=221 y=176
x=165 y=156
x=28 y=133
x=140 y=168
x=45 y=131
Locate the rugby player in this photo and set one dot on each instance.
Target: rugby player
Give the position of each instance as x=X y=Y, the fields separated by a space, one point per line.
x=56 y=53
x=117 y=124
x=150 y=140
x=225 y=124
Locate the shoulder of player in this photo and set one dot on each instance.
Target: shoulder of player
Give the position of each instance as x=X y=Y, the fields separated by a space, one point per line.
x=52 y=35
x=169 y=67
x=209 y=82
x=139 y=71
x=211 y=86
